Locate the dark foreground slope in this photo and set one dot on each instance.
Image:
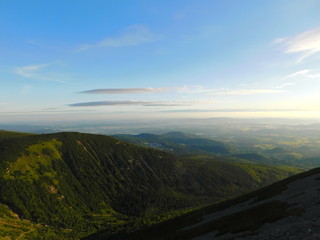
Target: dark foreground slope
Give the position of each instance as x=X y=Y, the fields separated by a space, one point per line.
x=289 y=209
x=70 y=185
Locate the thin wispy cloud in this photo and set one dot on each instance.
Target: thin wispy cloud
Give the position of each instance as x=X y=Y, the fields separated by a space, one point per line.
x=297 y=74
x=192 y=89
x=163 y=104
x=286 y=84
x=107 y=103
x=30 y=71
x=306 y=43
x=233 y=110
x=306 y=73
x=132 y=36
x=40 y=72
x=127 y=103
x=223 y=91
x=124 y=90
x=244 y=91
x=186 y=90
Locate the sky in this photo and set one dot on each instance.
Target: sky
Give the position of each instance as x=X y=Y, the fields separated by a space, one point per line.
x=139 y=59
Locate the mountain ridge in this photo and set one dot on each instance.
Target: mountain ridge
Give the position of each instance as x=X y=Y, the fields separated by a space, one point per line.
x=82 y=183
x=178 y=142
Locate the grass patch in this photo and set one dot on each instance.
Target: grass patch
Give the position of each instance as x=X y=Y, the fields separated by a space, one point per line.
x=38 y=156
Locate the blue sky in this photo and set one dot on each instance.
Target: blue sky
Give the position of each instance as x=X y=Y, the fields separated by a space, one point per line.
x=96 y=60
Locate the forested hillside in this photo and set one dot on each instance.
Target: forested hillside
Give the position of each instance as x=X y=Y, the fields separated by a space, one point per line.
x=288 y=209
x=72 y=184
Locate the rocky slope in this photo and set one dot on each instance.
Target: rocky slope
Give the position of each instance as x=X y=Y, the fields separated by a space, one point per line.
x=289 y=209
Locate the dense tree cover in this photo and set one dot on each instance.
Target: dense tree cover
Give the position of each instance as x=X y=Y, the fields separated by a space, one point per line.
x=177 y=142
x=259 y=208
x=271 y=147
x=85 y=183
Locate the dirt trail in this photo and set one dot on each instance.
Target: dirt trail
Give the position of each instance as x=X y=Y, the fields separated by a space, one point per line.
x=12 y=224
x=20 y=228
x=25 y=233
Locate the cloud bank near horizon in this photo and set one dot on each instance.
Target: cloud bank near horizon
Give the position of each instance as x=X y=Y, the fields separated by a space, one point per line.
x=127 y=103
x=124 y=90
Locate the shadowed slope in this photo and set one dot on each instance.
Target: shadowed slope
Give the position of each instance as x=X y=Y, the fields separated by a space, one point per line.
x=289 y=208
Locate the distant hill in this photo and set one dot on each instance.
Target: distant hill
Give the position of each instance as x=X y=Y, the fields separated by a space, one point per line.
x=289 y=209
x=178 y=142
x=7 y=135
x=252 y=157
x=70 y=185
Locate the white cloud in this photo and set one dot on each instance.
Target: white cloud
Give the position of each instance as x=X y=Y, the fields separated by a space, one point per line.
x=306 y=43
x=314 y=75
x=192 y=89
x=279 y=40
x=132 y=36
x=286 y=84
x=244 y=91
x=39 y=72
x=223 y=91
x=29 y=71
x=296 y=74
x=233 y=110
x=307 y=73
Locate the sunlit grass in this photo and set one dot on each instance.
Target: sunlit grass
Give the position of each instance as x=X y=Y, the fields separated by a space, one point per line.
x=27 y=166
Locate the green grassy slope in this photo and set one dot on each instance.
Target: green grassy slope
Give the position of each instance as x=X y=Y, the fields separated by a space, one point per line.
x=12 y=227
x=79 y=183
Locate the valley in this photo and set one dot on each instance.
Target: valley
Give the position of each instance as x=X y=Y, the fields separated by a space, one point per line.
x=159 y=120
x=71 y=185
x=288 y=209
